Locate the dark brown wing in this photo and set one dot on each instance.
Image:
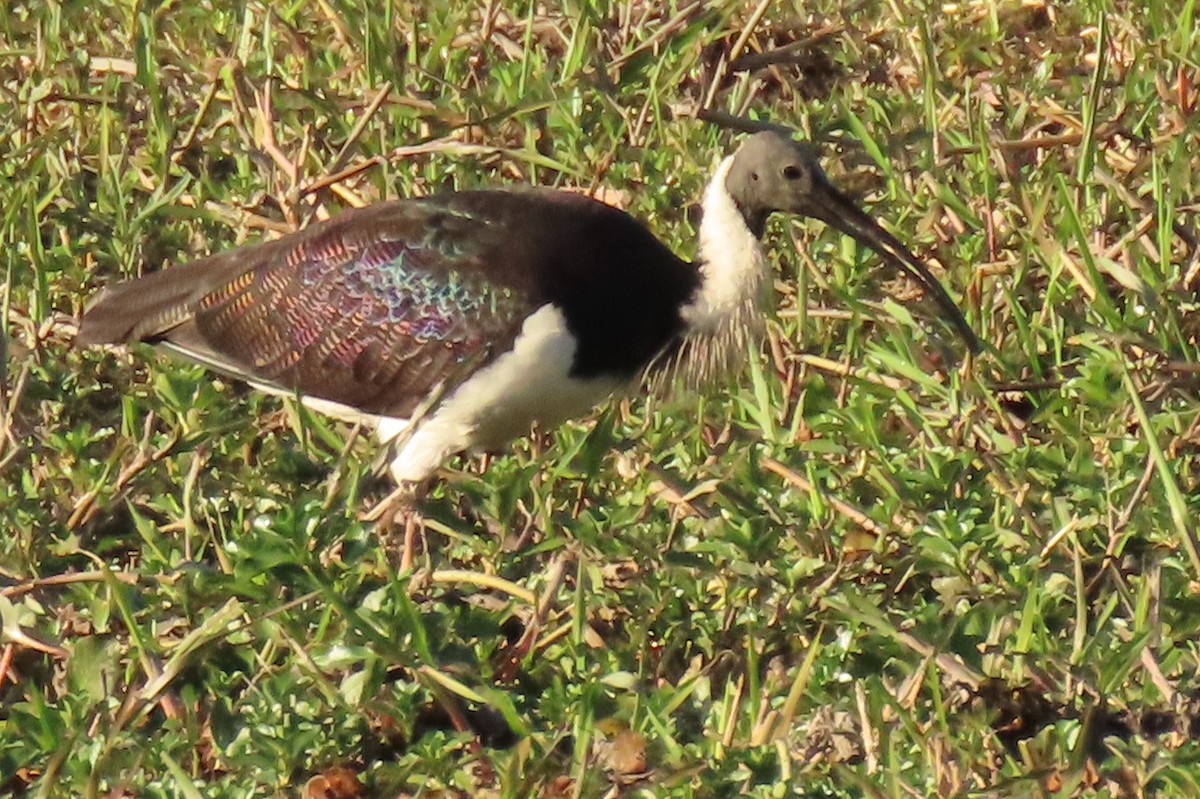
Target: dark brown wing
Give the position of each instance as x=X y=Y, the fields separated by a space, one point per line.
x=374 y=309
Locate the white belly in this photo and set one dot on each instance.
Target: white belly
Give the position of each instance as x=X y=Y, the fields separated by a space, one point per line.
x=498 y=403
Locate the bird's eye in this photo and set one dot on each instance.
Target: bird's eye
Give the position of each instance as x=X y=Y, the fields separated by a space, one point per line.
x=791 y=172
x=754 y=176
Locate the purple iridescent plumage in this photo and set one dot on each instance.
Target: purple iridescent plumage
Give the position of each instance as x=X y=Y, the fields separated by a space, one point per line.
x=391 y=283
x=364 y=319
x=381 y=308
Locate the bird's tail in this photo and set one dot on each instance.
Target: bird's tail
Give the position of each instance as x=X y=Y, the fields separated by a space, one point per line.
x=148 y=307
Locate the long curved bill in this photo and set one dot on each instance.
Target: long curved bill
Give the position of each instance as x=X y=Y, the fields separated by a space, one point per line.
x=839 y=211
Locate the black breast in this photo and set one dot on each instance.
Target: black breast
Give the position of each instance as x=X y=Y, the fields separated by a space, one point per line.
x=619 y=287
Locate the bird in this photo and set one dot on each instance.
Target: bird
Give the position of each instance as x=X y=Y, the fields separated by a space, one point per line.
x=452 y=322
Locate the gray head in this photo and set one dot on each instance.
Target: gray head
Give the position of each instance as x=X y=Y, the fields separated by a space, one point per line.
x=771 y=172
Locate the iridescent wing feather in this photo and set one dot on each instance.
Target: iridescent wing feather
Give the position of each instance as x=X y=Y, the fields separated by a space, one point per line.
x=373 y=310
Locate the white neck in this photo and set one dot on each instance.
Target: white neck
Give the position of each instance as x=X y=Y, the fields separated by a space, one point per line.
x=723 y=318
x=732 y=267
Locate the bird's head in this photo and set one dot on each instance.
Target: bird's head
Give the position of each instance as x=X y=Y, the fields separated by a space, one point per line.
x=771 y=172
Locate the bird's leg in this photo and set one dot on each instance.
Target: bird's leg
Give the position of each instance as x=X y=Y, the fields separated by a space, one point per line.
x=399 y=511
x=406 y=496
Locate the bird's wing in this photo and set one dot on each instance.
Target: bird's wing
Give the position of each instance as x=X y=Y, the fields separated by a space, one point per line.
x=375 y=309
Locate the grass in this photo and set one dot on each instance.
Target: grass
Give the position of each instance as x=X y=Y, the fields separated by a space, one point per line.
x=857 y=570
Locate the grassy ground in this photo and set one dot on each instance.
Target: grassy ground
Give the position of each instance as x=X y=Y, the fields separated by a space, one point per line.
x=857 y=571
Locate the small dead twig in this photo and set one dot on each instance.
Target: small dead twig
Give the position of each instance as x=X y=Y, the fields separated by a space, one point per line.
x=21 y=589
x=512 y=658
x=360 y=125
x=458 y=719
x=264 y=104
x=665 y=31
x=846 y=370
x=16 y=636
x=85 y=507
x=329 y=180
x=779 y=55
x=189 y=138
x=1127 y=513
x=6 y=661
x=841 y=506
x=680 y=496
x=997 y=473
x=337 y=170
x=868 y=734
x=724 y=119
x=1025 y=386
